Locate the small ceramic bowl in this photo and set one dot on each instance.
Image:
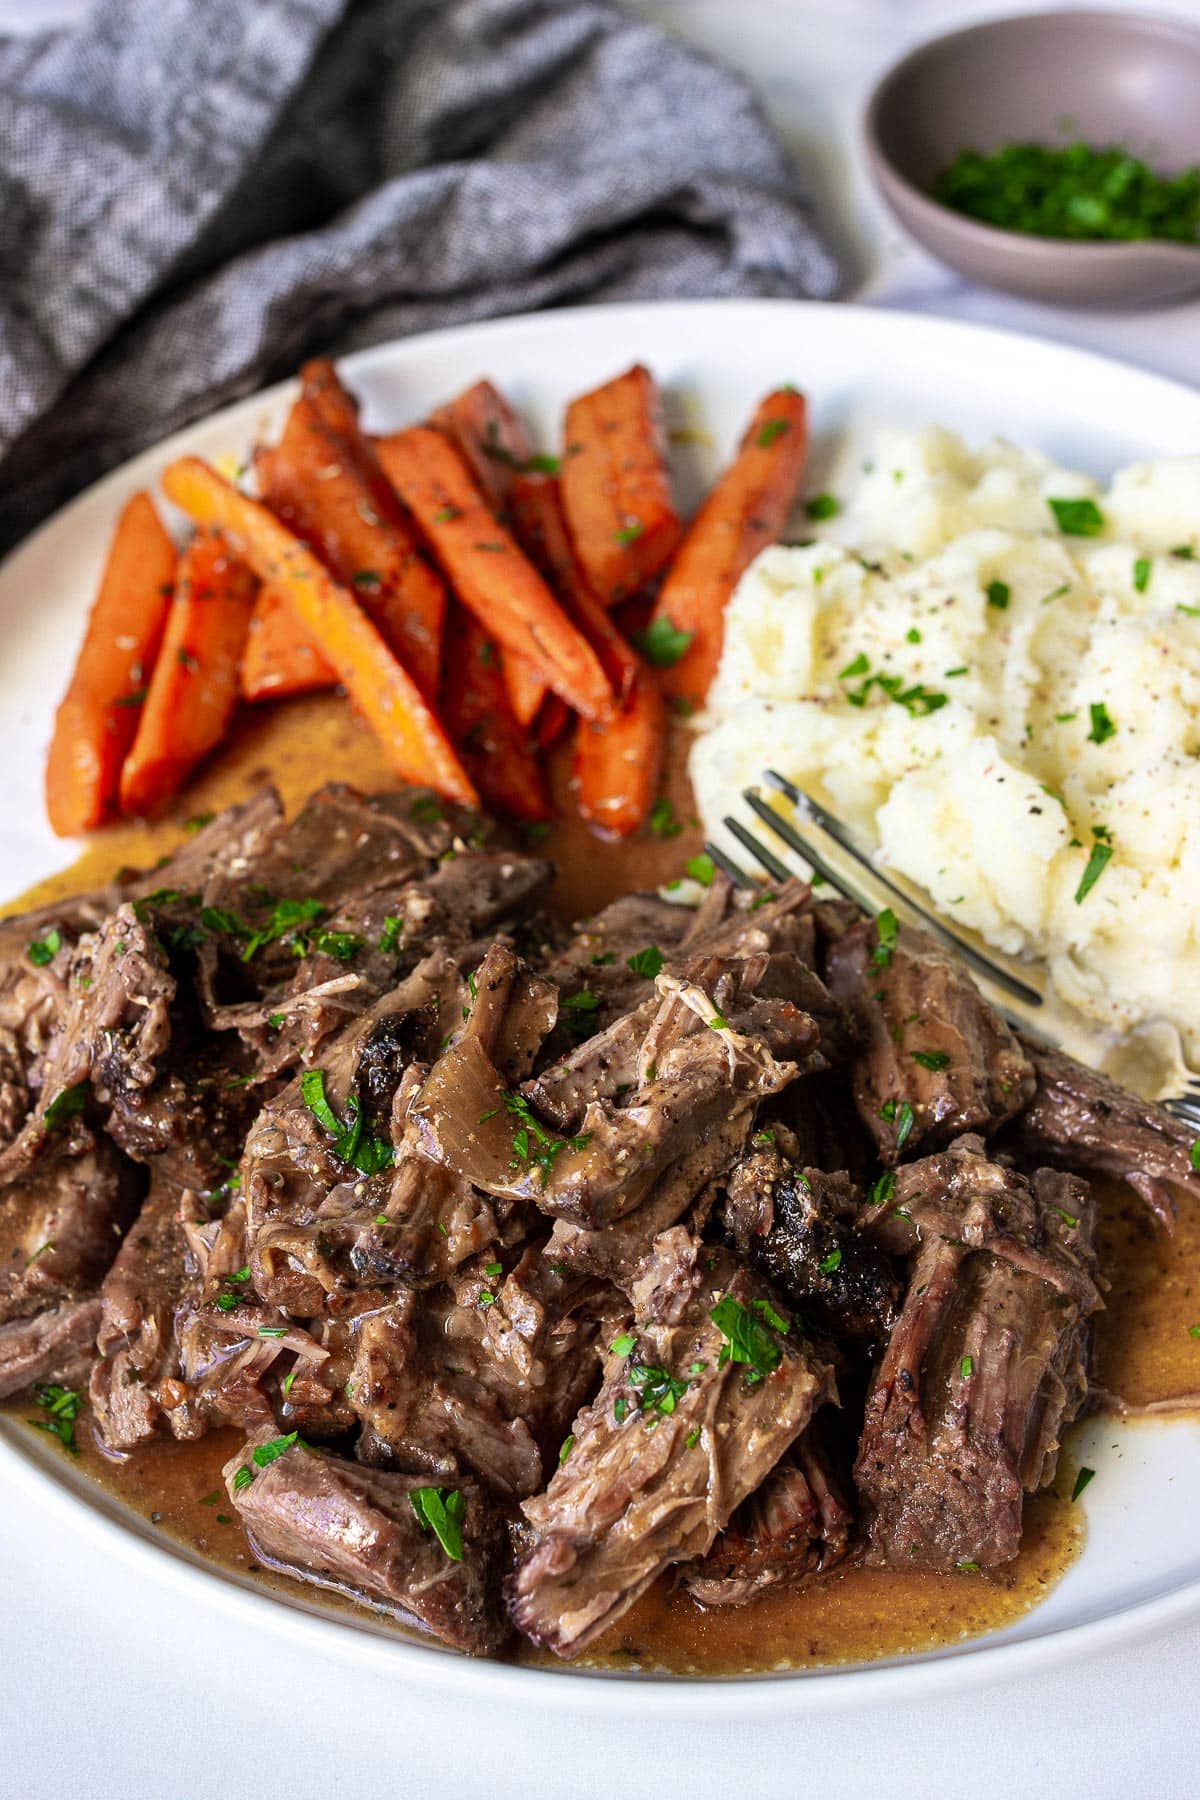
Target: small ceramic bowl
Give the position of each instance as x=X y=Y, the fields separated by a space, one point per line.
x=1052 y=78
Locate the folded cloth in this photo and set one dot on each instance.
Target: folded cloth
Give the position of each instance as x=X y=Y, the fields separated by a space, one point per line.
x=194 y=197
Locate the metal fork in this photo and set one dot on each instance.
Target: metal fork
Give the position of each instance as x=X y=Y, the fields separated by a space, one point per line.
x=816 y=834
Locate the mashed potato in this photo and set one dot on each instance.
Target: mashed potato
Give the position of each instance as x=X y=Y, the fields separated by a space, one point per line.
x=997 y=704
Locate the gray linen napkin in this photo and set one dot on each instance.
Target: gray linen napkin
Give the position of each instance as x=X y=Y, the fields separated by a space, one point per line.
x=195 y=195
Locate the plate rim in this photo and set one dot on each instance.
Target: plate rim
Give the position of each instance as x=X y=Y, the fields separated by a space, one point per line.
x=90 y=1507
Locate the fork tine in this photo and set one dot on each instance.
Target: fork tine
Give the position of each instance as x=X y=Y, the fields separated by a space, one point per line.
x=777 y=870
x=807 y=850
x=737 y=875
x=982 y=964
x=1186 y=1111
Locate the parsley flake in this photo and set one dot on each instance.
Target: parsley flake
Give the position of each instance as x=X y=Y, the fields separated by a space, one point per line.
x=1077 y=518
x=662 y=643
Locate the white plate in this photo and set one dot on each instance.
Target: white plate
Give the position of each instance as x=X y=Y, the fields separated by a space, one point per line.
x=860 y=368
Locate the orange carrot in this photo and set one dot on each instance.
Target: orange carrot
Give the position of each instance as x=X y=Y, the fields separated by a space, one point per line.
x=746 y=511
x=194 y=686
x=491 y=438
x=618 y=762
x=337 y=410
x=280 y=658
x=616 y=486
x=314 y=481
x=494 y=746
x=98 y=718
x=490 y=575
x=541 y=530
x=380 y=687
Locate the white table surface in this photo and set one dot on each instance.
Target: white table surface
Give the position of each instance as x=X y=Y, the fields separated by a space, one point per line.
x=111 y=1689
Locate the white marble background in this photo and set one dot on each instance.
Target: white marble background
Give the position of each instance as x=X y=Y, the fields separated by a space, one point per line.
x=111 y=1691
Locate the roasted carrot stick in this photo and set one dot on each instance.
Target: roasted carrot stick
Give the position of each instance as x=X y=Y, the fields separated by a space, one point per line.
x=541 y=531
x=314 y=481
x=194 y=686
x=337 y=410
x=746 y=510
x=616 y=486
x=491 y=438
x=380 y=687
x=490 y=575
x=98 y=718
x=618 y=762
x=280 y=658
x=494 y=746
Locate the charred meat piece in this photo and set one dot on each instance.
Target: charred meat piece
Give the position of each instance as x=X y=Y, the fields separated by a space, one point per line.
x=935 y=1058
x=686 y=1425
x=373 y=1535
x=1079 y=1119
x=986 y=1364
x=796 y=1525
x=798 y=1226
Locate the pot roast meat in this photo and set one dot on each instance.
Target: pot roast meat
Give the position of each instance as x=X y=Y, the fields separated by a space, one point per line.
x=703 y=1046
x=798 y=1226
x=1079 y=1119
x=796 y=1525
x=60 y=1228
x=673 y=1443
x=135 y=1336
x=935 y=1058
x=986 y=1364
x=357 y=1530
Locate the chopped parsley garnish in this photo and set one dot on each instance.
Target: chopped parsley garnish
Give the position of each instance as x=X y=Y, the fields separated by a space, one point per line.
x=751 y=1335
x=968 y=1566
x=932 y=1059
x=199 y=821
x=966 y=1366
x=1141 y=573
x=1102 y=725
x=885 y=933
x=242 y=1479
x=265 y=1454
x=61 y=1407
x=288 y=1379
x=663 y=822
x=912 y=635
x=917 y=700
x=1081 y=1480
x=657 y=1389
x=620 y=1409
x=628 y=534
x=881 y=1190
x=213 y=1499
x=692 y=1438
x=66 y=1105
x=272 y=1331
x=904 y=1124
x=719 y=1022
x=647 y=962
x=486 y=1297
x=605 y=959
x=568 y=1444
x=1194 y=1154
x=391 y=935
x=137 y=697
x=701 y=868
x=1077 y=518
x=369 y=1155
x=44 y=950
x=822 y=506
x=621 y=1346
x=1073 y=190
x=998 y=594
x=832 y=1262
x=661 y=643
x=772 y=429
x=1098 y=861
x=767 y=1136
x=532 y=1143
x=584 y=1001
x=426 y=809
x=442 y=1511
x=1068 y=1219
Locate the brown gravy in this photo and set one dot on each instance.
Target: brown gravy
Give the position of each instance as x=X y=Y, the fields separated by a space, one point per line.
x=1145 y=1352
